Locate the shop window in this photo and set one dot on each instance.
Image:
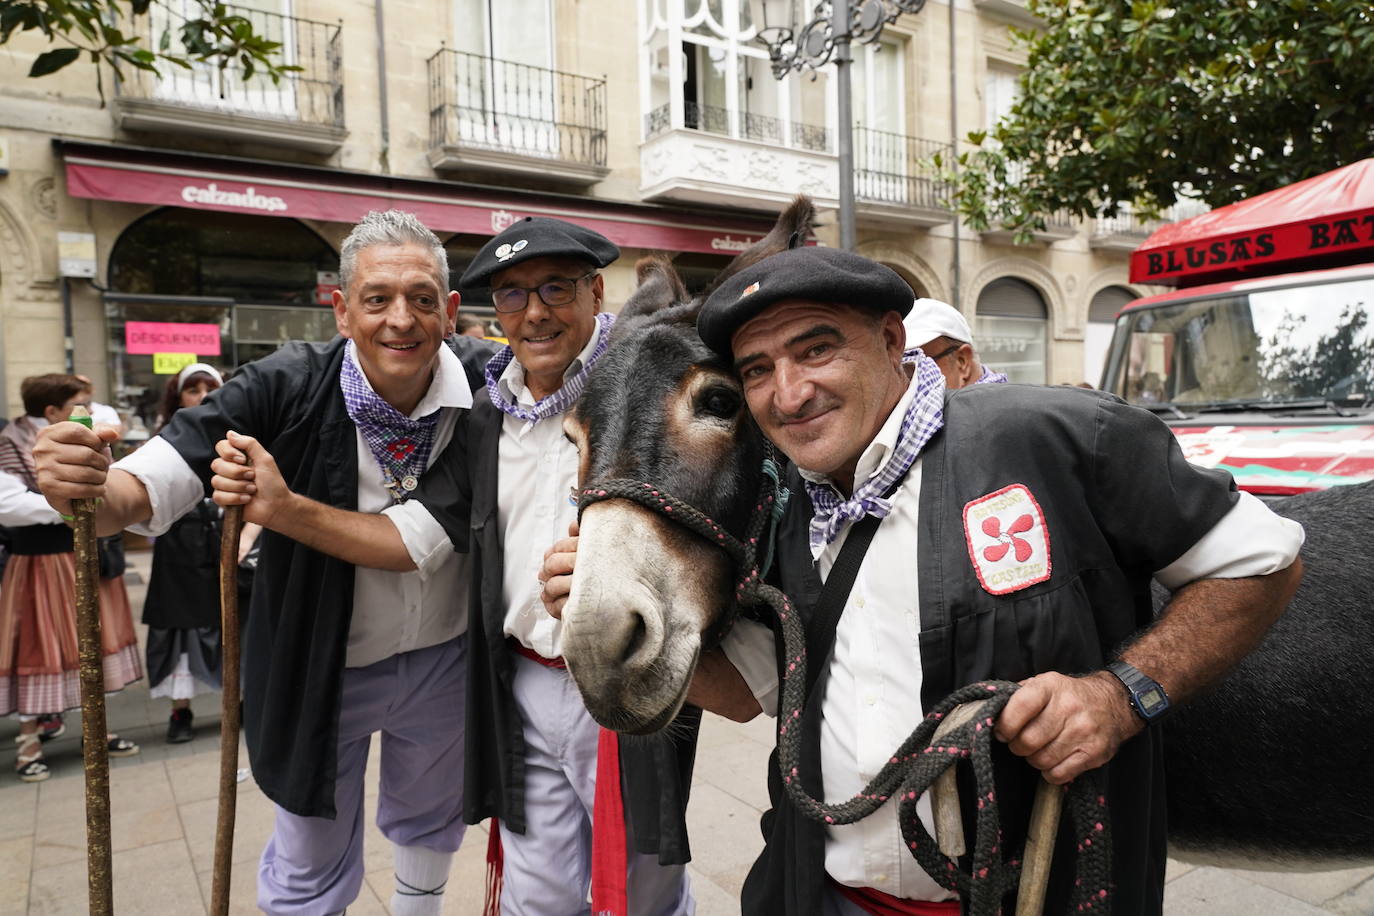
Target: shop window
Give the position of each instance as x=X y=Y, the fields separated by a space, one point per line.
x=1010 y=329
x=221 y=288
x=240 y=256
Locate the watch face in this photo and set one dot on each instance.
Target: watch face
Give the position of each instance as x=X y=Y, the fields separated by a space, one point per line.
x=1152 y=701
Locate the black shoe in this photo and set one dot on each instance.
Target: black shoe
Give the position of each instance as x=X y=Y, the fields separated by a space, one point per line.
x=179 y=729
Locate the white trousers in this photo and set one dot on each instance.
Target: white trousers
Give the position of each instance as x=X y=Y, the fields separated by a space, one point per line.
x=548 y=869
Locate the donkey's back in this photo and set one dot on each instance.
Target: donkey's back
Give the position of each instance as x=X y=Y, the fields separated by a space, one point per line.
x=1274 y=768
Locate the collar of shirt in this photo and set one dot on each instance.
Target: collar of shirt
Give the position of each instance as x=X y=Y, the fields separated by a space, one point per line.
x=872 y=458
x=512 y=381
x=38 y=422
x=448 y=388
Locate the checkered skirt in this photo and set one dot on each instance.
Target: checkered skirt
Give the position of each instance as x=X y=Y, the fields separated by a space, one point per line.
x=39 y=661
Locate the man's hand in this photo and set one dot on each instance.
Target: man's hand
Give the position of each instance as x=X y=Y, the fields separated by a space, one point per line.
x=1065 y=726
x=259 y=488
x=72 y=462
x=557 y=572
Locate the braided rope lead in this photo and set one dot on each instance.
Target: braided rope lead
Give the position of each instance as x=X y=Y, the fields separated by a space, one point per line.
x=914 y=766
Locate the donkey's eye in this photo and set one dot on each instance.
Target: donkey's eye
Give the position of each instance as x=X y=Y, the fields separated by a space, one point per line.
x=719 y=402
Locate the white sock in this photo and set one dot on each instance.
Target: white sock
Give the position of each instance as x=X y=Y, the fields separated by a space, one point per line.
x=420 y=878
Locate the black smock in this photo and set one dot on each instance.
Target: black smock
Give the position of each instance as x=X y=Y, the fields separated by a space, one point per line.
x=296 y=637
x=182 y=605
x=1119 y=502
x=656 y=773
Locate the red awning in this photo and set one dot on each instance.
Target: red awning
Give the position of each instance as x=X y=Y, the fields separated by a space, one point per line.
x=241 y=186
x=1311 y=221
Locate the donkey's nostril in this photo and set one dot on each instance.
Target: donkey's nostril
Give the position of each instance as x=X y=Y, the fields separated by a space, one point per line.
x=634 y=640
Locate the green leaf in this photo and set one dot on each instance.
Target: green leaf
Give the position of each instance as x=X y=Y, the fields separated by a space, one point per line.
x=52 y=61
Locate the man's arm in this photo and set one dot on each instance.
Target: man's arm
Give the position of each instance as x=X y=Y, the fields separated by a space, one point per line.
x=1065 y=726
x=255 y=483
x=73 y=463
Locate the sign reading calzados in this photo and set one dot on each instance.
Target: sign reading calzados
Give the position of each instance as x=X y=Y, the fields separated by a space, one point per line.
x=249 y=199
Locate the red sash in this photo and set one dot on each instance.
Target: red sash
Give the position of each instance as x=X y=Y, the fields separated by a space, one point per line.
x=880 y=904
x=609 y=855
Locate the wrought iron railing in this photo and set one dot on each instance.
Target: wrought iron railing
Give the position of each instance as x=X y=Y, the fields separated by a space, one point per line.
x=1125 y=222
x=312 y=95
x=501 y=105
x=713 y=119
x=896 y=169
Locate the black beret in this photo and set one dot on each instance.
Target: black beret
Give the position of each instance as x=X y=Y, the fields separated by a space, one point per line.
x=810 y=274
x=537 y=237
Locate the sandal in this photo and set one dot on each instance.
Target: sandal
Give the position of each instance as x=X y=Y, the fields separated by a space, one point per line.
x=29 y=763
x=120 y=747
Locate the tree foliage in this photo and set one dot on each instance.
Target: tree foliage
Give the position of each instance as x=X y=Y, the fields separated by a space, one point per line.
x=1130 y=101
x=108 y=31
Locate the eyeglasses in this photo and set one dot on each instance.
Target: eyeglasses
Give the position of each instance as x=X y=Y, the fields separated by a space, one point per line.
x=945 y=352
x=553 y=293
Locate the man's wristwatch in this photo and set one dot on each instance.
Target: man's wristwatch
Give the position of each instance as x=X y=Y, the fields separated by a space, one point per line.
x=1148 y=698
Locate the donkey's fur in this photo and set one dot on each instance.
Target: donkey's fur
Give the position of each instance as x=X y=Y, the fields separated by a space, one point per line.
x=1273 y=768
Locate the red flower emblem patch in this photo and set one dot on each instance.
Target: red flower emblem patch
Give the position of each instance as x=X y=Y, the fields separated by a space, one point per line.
x=1007 y=540
x=400 y=449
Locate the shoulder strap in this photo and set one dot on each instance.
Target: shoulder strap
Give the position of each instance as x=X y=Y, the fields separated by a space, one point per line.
x=820 y=637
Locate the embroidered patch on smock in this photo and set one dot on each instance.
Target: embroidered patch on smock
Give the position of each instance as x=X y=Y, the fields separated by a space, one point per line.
x=1007 y=540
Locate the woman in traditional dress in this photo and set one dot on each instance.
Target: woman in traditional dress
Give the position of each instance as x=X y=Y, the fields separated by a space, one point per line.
x=39 y=660
x=182 y=606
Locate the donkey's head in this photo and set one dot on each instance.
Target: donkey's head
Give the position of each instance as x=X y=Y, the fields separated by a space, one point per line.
x=662 y=409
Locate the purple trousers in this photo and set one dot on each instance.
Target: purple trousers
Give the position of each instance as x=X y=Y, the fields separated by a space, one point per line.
x=313 y=866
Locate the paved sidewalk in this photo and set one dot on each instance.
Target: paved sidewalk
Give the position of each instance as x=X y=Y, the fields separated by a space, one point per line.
x=164 y=808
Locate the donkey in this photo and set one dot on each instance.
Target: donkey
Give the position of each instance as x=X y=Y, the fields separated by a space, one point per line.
x=1269 y=770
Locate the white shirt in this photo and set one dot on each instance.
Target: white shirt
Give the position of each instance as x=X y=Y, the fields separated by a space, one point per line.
x=537 y=472
x=393 y=612
x=871 y=703
x=20 y=506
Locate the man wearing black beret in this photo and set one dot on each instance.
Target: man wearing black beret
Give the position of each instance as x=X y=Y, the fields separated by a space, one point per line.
x=543 y=760
x=1014 y=531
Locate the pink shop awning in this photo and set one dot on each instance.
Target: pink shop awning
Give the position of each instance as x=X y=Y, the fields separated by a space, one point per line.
x=131 y=175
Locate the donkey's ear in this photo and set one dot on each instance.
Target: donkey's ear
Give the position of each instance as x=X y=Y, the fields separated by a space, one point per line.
x=792 y=229
x=659 y=287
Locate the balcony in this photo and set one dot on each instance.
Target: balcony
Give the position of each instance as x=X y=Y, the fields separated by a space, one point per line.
x=304 y=110
x=896 y=181
x=1123 y=232
x=1013 y=12
x=1059 y=225
x=708 y=154
x=492 y=115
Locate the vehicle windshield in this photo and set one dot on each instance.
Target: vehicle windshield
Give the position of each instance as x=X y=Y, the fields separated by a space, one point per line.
x=1275 y=347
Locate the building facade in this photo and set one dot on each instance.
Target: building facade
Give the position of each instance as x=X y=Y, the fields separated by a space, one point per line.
x=206 y=211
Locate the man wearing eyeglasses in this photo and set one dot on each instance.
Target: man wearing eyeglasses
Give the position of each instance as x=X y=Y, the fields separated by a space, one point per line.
x=939 y=331
x=548 y=770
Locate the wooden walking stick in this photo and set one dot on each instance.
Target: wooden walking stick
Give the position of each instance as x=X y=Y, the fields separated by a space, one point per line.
x=95 y=746
x=229 y=709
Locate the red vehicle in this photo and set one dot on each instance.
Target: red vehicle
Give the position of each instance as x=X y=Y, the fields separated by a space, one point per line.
x=1263 y=360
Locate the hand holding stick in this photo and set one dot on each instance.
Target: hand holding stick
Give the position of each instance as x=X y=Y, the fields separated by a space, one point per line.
x=229 y=710
x=95 y=747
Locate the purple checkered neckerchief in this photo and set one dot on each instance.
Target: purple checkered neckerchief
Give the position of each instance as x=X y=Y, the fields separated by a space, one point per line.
x=400 y=445
x=988 y=376
x=923 y=418
x=560 y=400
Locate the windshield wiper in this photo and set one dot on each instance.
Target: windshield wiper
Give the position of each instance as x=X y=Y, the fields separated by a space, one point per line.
x=1163 y=407
x=1295 y=404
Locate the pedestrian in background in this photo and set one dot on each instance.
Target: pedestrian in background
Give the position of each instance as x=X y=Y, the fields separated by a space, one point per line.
x=39 y=660
x=182 y=605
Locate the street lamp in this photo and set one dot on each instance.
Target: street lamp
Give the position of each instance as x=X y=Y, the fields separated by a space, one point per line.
x=827 y=36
